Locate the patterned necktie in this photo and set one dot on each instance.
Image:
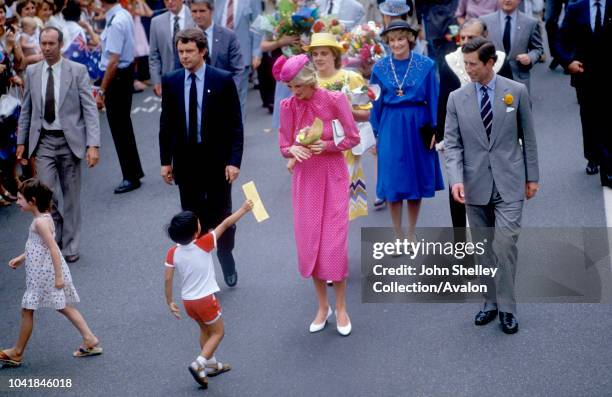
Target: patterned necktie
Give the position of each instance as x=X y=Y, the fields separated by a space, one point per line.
x=598 y=25
x=506 y=39
x=229 y=22
x=486 y=112
x=193 y=111
x=175 y=30
x=50 y=98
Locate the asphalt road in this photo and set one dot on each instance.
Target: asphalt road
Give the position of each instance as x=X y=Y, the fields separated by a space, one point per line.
x=394 y=350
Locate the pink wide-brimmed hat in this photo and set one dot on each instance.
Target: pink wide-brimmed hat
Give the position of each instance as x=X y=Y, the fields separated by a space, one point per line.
x=285 y=69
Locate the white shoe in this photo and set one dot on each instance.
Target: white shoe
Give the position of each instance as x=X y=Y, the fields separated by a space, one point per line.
x=314 y=327
x=344 y=331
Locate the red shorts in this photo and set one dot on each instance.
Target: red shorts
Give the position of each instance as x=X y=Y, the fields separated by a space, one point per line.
x=206 y=310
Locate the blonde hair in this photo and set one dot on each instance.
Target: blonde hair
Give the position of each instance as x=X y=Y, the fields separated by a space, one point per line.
x=402 y=33
x=306 y=76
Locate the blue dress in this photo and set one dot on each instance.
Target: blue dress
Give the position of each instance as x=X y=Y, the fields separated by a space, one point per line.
x=407 y=170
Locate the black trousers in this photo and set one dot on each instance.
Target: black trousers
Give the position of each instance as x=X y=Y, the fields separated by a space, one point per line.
x=211 y=201
x=458 y=217
x=267 y=84
x=551 y=16
x=592 y=117
x=118 y=102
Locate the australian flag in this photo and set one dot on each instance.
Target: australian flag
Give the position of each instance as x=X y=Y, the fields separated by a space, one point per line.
x=79 y=52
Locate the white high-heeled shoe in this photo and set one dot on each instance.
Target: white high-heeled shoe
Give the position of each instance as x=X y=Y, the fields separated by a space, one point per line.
x=314 y=327
x=344 y=331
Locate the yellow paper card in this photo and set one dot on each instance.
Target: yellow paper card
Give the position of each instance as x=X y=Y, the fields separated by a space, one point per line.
x=250 y=191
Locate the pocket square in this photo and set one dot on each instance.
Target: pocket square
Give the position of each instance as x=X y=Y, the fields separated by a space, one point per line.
x=510 y=109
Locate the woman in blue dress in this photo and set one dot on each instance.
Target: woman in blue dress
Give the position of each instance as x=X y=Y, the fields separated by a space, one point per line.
x=407 y=168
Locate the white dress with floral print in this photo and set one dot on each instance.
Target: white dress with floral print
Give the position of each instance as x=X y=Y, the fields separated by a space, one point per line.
x=40 y=275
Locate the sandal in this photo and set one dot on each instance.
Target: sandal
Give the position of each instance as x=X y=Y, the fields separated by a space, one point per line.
x=217 y=369
x=88 y=351
x=8 y=362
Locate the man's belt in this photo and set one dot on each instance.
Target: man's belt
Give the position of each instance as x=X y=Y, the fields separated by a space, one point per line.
x=55 y=133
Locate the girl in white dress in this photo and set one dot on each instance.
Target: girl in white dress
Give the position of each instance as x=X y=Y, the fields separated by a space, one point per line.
x=48 y=280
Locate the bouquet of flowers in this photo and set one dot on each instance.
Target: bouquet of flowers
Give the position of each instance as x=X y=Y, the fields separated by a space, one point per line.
x=365 y=42
x=294 y=18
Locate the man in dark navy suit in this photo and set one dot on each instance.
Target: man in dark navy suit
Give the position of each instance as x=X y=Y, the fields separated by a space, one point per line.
x=584 y=50
x=201 y=139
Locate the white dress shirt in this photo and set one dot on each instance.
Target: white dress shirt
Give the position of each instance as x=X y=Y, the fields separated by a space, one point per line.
x=57 y=75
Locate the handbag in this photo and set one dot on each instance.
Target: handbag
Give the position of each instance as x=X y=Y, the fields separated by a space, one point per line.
x=366 y=138
x=338 y=131
x=427 y=132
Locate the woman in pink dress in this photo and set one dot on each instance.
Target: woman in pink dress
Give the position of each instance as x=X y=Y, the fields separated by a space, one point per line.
x=320 y=183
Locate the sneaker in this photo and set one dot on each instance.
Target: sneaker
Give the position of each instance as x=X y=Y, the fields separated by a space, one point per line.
x=379 y=204
x=199 y=374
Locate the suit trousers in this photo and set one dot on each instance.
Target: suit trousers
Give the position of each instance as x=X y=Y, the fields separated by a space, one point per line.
x=118 y=102
x=551 y=16
x=593 y=116
x=243 y=90
x=212 y=203
x=499 y=223
x=60 y=169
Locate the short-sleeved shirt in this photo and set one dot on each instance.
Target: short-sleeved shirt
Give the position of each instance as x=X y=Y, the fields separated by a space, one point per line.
x=194 y=264
x=118 y=37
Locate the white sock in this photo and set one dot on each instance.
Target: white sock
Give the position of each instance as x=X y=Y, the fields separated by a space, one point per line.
x=201 y=360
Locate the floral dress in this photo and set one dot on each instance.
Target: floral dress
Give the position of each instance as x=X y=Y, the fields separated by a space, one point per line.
x=40 y=274
x=345 y=81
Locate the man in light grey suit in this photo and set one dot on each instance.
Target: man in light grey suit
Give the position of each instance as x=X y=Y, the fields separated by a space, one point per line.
x=518 y=35
x=59 y=124
x=492 y=164
x=224 y=49
x=350 y=12
x=164 y=27
x=238 y=15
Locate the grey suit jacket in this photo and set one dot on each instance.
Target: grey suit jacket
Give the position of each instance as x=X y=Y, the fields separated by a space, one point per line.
x=77 y=109
x=527 y=40
x=246 y=12
x=226 y=52
x=161 y=48
x=475 y=161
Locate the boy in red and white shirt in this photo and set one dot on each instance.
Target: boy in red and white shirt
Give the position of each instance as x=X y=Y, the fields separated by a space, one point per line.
x=191 y=257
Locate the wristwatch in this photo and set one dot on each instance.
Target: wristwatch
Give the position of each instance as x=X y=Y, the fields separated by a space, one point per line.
x=101 y=92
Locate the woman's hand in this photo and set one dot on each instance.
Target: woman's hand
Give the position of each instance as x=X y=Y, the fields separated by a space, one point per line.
x=288 y=40
x=318 y=147
x=174 y=310
x=16 y=262
x=433 y=142
x=59 y=281
x=300 y=153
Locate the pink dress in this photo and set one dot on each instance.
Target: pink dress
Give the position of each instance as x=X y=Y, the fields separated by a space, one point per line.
x=320 y=185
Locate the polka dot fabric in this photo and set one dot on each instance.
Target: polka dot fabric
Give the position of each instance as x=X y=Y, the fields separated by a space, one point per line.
x=40 y=275
x=320 y=185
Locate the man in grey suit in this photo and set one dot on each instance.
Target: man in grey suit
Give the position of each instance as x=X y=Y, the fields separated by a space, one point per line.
x=162 y=52
x=492 y=164
x=238 y=15
x=224 y=49
x=518 y=35
x=59 y=124
x=350 y=12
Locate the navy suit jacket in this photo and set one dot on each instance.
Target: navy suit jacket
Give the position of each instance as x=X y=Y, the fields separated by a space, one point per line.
x=578 y=43
x=221 y=128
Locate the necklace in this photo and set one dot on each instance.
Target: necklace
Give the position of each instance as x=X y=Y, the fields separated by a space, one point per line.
x=399 y=91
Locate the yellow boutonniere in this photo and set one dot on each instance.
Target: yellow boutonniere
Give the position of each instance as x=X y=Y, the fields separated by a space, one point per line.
x=508 y=99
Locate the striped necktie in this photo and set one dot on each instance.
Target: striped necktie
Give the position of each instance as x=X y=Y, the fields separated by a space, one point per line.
x=229 y=21
x=486 y=112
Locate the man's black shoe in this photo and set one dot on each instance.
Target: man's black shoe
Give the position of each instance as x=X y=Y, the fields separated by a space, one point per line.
x=606 y=180
x=509 y=323
x=553 y=64
x=231 y=279
x=127 y=186
x=484 y=318
x=592 y=168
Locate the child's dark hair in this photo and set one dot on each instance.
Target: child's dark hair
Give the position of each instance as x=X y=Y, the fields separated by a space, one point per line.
x=36 y=191
x=182 y=227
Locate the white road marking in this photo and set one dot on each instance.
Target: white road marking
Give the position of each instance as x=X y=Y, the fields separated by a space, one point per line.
x=136 y=109
x=607 y=193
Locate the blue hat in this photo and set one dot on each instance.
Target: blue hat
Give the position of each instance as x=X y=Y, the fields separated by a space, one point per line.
x=394 y=8
x=398 y=25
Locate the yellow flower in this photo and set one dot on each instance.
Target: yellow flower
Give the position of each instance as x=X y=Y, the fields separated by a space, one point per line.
x=508 y=99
